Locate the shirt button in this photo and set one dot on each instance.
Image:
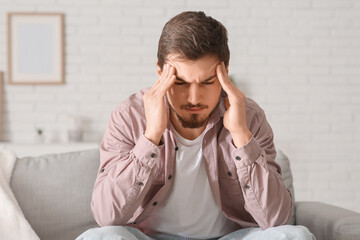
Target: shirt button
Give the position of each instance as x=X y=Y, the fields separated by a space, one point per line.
x=133 y=222
x=176 y=148
x=247 y=186
x=170 y=177
x=102 y=170
x=154 y=203
x=238 y=158
x=230 y=174
x=153 y=155
x=140 y=184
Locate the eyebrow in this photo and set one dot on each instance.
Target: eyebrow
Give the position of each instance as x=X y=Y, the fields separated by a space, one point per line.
x=206 y=80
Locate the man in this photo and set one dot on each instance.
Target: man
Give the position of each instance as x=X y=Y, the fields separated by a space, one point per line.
x=191 y=157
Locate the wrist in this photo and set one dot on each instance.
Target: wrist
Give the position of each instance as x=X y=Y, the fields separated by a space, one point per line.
x=153 y=137
x=241 y=138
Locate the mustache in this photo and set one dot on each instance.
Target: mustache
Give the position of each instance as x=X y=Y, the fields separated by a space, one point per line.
x=189 y=105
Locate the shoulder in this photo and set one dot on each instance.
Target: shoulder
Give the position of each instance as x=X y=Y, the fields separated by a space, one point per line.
x=253 y=111
x=133 y=106
x=253 y=106
x=133 y=101
x=130 y=110
x=128 y=117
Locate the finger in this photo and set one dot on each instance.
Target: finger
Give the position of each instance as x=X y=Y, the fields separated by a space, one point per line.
x=169 y=76
x=168 y=70
x=229 y=87
x=163 y=72
x=167 y=80
x=171 y=71
x=168 y=83
x=223 y=78
x=158 y=85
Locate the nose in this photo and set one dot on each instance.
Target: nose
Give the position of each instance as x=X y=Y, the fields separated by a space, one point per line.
x=194 y=94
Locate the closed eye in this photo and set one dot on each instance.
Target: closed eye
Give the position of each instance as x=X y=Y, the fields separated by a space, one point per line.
x=208 y=82
x=181 y=83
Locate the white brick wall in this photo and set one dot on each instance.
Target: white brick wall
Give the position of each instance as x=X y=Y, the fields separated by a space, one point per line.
x=299 y=59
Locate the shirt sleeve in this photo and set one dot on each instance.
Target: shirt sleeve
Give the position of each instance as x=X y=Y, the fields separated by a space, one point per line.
x=125 y=174
x=266 y=197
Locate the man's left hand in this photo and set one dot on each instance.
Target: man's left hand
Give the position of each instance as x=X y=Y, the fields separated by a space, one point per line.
x=235 y=115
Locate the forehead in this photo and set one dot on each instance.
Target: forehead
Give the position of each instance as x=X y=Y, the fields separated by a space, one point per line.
x=194 y=70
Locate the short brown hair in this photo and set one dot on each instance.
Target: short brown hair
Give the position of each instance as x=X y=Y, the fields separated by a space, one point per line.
x=193 y=35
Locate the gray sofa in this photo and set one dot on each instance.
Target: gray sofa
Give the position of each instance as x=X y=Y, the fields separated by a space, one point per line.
x=54 y=192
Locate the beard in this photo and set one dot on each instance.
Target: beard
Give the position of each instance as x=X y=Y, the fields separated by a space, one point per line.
x=193 y=121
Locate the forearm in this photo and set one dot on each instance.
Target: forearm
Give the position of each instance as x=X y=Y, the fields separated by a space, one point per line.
x=123 y=182
x=153 y=136
x=266 y=197
x=114 y=202
x=241 y=138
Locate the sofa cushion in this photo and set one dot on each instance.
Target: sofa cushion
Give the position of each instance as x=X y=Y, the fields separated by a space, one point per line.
x=284 y=163
x=54 y=192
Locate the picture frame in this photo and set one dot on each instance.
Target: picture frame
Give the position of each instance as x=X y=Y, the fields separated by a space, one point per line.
x=36 y=48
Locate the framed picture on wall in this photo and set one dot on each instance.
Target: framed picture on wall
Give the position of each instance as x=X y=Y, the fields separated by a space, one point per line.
x=35 y=48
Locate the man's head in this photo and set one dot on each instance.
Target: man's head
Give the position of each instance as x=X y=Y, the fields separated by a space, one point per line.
x=194 y=44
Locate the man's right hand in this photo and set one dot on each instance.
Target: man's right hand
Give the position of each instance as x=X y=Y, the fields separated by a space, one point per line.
x=154 y=103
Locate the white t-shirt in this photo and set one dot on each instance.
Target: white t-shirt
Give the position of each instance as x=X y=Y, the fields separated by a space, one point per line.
x=190 y=209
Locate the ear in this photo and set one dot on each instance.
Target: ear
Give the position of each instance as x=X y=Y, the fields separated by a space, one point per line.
x=158 y=70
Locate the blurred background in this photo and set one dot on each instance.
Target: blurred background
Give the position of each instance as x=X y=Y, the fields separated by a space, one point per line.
x=299 y=60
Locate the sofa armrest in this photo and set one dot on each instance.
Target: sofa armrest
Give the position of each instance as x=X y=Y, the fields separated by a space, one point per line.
x=328 y=222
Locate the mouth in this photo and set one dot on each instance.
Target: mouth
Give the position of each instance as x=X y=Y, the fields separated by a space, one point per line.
x=194 y=110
